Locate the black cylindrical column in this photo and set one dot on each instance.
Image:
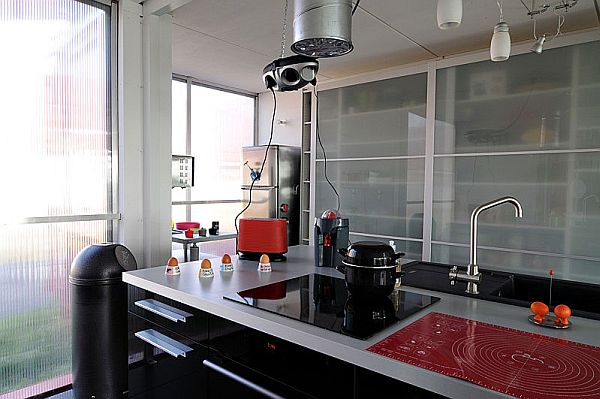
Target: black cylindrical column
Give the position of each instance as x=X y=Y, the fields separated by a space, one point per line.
x=99 y=321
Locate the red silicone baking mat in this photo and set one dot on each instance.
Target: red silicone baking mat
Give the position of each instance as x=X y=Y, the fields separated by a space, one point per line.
x=517 y=363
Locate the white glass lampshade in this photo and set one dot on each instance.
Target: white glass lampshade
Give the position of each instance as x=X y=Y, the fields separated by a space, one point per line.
x=500 y=46
x=449 y=13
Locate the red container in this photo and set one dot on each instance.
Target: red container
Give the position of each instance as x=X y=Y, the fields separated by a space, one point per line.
x=263 y=236
x=187 y=225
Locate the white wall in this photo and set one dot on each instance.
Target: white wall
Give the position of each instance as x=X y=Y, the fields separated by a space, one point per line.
x=289 y=109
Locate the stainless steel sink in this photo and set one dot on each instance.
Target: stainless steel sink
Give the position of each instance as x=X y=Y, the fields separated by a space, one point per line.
x=509 y=288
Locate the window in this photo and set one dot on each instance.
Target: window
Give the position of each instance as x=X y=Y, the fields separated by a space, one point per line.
x=56 y=170
x=221 y=123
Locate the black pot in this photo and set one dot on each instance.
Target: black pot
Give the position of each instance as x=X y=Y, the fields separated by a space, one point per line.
x=370 y=268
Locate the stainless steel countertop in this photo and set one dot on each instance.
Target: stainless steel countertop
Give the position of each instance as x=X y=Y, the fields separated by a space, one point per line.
x=207 y=295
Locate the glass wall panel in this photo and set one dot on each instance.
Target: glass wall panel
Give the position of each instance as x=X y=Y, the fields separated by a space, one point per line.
x=385 y=118
x=55 y=160
x=524 y=263
x=179 y=115
x=533 y=102
x=560 y=194
x=35 y=332
x=222 y=123
x=379 y=197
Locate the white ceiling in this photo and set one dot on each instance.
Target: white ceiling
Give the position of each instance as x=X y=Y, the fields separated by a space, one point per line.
x=228 y=42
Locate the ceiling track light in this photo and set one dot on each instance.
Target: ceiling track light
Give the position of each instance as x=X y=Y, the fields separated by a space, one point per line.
x=538 y=45
x=534 y=10
x=449 y=13
x=500 y=44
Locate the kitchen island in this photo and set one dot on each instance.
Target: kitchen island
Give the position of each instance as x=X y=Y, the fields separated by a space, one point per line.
x=206 y=294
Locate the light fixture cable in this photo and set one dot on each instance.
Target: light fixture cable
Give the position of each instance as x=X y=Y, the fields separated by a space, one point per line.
x=262 y=166
x=355 y=6
x=323 y=149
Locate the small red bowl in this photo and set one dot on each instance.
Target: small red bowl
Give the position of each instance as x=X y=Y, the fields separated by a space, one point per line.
x=187 y=225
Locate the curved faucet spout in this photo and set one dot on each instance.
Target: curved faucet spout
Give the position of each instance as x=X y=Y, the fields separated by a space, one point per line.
x=473 y=268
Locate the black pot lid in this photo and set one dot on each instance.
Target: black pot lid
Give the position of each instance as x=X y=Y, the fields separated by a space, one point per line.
x=371 y=253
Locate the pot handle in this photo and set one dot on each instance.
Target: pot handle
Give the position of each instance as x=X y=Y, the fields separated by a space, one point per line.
x=397 y=256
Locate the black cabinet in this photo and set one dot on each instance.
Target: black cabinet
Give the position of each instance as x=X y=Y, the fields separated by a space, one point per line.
x=163 y=362
x=370 y=384
x=230 y=379
x=307 y=371
x=175 y=316
x=229 y=360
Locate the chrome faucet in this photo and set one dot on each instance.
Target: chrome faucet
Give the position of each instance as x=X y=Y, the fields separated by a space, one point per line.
x=472 y=276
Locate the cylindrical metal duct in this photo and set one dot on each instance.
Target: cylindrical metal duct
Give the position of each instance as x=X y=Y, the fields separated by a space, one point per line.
x=322 y=28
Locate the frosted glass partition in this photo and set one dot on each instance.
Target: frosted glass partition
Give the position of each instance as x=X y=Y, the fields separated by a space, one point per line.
x=533 y=102
x=382 y=197
x=385 y=118
x=529 y=128
x=578 y=269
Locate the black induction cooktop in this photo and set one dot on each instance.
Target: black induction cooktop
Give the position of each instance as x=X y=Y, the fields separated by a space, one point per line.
x=324 y=301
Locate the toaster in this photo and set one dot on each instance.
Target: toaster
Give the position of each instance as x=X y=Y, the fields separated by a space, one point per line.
x=262 y=236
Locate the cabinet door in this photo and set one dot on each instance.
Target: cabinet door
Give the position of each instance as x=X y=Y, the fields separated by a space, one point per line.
x=160 y=359
x=308 y=371
x=369 y=383
x=229 y=379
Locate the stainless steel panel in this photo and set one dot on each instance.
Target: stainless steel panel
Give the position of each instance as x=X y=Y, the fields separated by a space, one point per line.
x=253 y=157
x=279 y=185
x=264 y=203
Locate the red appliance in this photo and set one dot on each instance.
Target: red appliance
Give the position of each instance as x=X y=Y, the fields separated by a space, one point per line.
x=262 y=236
x=517 y=363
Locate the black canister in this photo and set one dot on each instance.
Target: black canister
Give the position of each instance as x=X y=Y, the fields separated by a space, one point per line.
x=99 y=321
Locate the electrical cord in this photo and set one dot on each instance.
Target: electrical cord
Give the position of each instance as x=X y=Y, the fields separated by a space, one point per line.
x=237 y=232
x=323 y=149
x=355 y=6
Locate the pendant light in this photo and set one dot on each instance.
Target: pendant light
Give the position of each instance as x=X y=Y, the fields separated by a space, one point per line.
x=449 y=13
x=500 y=45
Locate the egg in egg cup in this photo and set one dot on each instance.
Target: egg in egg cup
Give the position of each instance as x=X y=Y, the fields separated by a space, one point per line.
x=264 y=264
x=206 y=269
x=172 y=267
x=226 y=264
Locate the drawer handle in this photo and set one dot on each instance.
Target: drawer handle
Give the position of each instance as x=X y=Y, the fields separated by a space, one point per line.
x=164 y=343
x=164 y=310
x=241 y=380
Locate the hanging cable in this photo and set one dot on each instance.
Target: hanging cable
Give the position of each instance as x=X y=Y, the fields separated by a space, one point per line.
x=499 y=2
x=262 y=166
x=355 y=6
x=323 y=149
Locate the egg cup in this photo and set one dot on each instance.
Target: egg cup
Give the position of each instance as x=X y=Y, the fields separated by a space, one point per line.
x=172 y=270
x=264 y=267
x=226 y=267
x=204 y=273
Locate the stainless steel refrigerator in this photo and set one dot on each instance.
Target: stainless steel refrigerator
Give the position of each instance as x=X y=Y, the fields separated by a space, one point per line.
x=276 y=192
